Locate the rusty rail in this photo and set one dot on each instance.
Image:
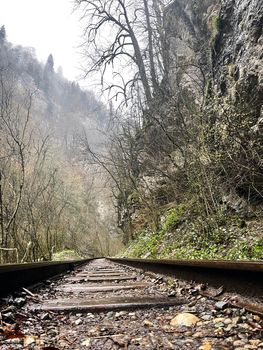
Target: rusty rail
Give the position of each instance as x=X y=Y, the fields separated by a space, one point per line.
x=240 y=281
x=15 y=276
x=244 y=278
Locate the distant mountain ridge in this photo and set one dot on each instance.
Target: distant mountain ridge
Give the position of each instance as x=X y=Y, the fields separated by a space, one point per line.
x=61 y=104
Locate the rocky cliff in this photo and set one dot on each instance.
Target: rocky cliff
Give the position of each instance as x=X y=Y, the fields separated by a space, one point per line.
x=189 y=32
x=237 y=53
x=204 y=147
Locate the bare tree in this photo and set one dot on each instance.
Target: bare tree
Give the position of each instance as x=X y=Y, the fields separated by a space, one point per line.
x=132 y=47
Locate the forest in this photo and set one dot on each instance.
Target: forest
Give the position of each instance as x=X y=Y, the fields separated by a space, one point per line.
x=170 y=168
x=47 y=189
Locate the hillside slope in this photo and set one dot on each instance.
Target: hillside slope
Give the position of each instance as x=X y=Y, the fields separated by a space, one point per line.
x=51 y=198
x=200 y=192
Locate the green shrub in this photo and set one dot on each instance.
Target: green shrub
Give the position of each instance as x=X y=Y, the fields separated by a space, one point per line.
x=173 y=218
x=215 y=26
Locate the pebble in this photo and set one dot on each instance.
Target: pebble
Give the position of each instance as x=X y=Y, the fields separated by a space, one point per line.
x=184 y=319
x=235 y=320
x=227 y=321
x=220 y=305
x=256 y=318
x=19 y=301
x=238 y=343
x=121 y=313
x=206 y=317
x=78 y=322
x=218 y=319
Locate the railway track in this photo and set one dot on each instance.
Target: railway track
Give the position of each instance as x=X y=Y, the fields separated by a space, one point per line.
x=133 y=304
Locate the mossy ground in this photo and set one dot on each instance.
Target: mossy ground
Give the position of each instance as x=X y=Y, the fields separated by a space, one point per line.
x=65 y=255
x=217 y=238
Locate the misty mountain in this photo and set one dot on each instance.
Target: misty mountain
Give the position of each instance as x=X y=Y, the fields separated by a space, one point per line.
x=60 y=105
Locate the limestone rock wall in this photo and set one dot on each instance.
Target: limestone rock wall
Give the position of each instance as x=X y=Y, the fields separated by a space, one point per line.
x=238 y=53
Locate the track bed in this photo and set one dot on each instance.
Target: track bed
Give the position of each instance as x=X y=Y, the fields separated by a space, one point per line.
x=106 y=305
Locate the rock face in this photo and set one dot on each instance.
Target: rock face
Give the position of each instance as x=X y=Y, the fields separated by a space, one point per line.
x=217 y=40
x=189 y=27
x=237 y=82
x=237 y=55
x=212 y=113
x=215 y=59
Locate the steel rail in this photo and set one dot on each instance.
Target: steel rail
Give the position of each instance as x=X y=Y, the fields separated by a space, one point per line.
x=242 y=277
x=15 y=276
x=245 y=278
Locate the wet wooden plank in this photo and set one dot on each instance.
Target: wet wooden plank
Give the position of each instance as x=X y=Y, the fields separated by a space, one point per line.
x=101 y=279
x=91 y=274
x=71 y=288
x=91 y=305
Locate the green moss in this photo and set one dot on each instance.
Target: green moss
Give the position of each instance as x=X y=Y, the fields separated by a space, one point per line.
x=150 y=243
x=134 y=198
x=215 y=26
x=173 y=218
x=65 y=255
x=179 y=239
x=146 y=244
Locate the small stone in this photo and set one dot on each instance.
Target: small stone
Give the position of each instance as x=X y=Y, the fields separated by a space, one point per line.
x=256 y=318
x=28 y=340
x=45 y=316
x=147 y=323
x=198 y=335
x=235 y=320
x=244 y=326
x=78 y=322
x=205 y=346
x=86 y=342
x=121 y=313
x=242 y=336
x=184 y=319
x=219 y=324
x=220 y=305
x=229 y=327
x=250 y=347
x=14 y=341
x=238 y=343
x=242 y=312
x=254 y=342
x=206 y=317
x=19 y=301
x=227 y=321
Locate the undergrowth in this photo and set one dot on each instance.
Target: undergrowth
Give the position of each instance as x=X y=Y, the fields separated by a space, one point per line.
x=180 y=238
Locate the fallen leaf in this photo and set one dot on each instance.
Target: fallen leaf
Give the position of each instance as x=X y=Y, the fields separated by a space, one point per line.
x=206 y=346
x=12 y=332
x=29 y=340
x=119 y=339
x=86 y=342
x=184 y=319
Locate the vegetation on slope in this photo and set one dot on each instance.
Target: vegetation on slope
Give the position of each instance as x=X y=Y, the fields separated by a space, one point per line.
x=190 y=138
x=47 y=201
x=182 y=237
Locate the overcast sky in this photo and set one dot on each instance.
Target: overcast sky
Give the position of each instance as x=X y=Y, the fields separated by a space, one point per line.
x=47 y=25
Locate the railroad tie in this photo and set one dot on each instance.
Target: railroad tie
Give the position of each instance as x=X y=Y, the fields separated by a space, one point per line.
x=89 y=290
